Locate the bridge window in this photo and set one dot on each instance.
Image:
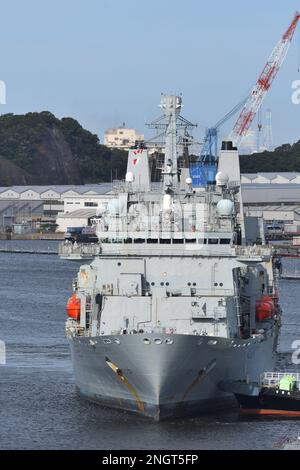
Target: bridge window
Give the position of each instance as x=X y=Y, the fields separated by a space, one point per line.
x=139 y=240
x=165 y=241
x=192 y=240
x=105 y=240
x=213 y=241
x=178 y=241
x=91 y=204
x=152 y=240
x=225 y=241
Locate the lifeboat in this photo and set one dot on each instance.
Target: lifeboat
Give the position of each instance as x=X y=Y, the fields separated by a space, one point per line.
x=264 y=308
x=73 y=307
x=267 y=298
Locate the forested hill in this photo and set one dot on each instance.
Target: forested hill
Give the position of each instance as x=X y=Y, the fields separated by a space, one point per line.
x=38 y=148
x=284 y=158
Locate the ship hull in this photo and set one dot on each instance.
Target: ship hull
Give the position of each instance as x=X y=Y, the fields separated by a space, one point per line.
x=164 y=376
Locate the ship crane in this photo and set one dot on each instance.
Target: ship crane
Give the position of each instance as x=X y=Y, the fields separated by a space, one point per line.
x=204 y=171
x=263 y=84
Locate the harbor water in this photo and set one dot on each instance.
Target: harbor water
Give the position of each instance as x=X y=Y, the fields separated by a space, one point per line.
x=39 y=405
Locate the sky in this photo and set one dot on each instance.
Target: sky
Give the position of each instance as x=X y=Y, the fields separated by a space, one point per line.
x=105 y=62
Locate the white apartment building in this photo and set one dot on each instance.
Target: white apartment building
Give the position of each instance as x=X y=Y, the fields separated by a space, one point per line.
x=121 y=138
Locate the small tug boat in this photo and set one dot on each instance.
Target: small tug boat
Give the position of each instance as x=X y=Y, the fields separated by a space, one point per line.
x=276 y=394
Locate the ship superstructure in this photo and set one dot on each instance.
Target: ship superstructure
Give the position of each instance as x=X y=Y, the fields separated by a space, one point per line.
x=180 y=298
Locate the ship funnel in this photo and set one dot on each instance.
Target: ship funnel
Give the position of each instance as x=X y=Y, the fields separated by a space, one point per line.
x=138 y=171
x=228 y=145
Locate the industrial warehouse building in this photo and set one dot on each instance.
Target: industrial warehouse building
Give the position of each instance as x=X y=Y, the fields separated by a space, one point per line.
x=22 y=204
x=275 y=202
x=275 y=196
x=78 y=218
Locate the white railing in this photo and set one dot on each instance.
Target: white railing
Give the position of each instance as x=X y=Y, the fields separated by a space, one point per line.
x=253 y=251
x=272 y=379
x=78 y=250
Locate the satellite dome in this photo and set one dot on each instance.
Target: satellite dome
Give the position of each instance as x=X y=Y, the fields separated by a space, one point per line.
x=222 y=179
x=189 y=181
x=225 y=208
x=129 y=177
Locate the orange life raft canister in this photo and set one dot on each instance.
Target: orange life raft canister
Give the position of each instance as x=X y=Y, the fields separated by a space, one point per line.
x=73 y=307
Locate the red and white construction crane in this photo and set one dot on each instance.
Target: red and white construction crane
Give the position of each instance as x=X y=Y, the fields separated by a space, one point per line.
x=263 y=84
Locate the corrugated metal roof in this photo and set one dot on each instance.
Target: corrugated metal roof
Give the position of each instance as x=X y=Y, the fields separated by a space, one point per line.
x=21 y=206
x=101 y=188
x=79 y=214
x=272 y=175
x=275 y=208
x=288 y=175
x=271 y=193
x=250 y=176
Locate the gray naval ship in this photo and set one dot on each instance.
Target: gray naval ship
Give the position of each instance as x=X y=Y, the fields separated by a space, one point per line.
x=180 y=297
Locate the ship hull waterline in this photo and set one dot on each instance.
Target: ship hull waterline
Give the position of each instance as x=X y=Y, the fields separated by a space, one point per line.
x=165 y=376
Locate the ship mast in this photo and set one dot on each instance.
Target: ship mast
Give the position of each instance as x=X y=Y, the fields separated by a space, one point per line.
x=171 y=106
x=169 y=128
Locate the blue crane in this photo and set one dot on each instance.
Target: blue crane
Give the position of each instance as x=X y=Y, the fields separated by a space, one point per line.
x=203 y=172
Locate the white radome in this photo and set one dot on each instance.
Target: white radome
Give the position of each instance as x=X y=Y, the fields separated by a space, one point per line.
x=225 y=208
x=129 y=177
x=222 y=179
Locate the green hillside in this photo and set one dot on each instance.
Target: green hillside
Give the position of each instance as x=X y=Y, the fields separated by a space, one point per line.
x=38 y=148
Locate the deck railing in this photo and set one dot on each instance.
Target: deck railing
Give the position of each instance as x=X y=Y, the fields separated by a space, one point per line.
x=253 y=251
x=80 y=250
x=272 y=379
